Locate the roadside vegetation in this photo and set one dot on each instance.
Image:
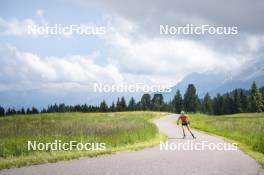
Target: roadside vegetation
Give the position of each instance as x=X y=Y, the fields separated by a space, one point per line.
x=119 y=131
x=246 y=129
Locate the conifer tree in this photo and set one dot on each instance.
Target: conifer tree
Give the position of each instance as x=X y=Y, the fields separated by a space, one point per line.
x=177 y=102
x=255 y=99
x=132 y=104
x=207 y=104
x=191 y=99
x=145 y=102
x=237 y=102
x=103 y=107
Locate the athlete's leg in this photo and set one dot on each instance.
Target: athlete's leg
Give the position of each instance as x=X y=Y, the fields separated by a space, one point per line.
x=183 y=132
x=189 y=129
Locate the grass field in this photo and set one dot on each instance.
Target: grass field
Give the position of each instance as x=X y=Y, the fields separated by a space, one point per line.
x=119 y=131
x=246 y=129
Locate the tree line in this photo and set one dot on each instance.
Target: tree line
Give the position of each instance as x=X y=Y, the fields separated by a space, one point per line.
x=236 y=101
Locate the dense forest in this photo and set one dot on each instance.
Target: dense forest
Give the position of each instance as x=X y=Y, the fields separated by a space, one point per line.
x=236 y=101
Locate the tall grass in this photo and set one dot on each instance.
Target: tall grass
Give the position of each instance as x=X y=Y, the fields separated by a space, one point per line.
x=247 y=129
x=113 y=129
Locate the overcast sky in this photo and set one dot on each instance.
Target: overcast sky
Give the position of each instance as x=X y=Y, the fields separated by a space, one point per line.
x=132 y=49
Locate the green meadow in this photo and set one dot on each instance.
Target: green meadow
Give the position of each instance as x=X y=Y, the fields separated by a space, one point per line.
x=247 y=129
x=119 y=131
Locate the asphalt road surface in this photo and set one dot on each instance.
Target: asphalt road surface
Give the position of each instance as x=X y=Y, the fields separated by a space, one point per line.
x=156 y=161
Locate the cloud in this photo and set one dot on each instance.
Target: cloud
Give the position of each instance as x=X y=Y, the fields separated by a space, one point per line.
x=15 y=27
x=138 y=53
x=147 y=16
x=255 y=42
x=40 y=12
x=165 y=60
x=25 y=68
x=140 y=50
x=39 y=26
x=150 y=14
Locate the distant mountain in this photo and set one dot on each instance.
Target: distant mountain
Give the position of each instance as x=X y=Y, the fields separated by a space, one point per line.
x=203 y=83
x=220 y=83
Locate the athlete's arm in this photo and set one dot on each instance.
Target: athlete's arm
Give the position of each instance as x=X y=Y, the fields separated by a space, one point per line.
x=178 y=120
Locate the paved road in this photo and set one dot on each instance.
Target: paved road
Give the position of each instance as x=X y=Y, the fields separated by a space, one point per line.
x=154 y=161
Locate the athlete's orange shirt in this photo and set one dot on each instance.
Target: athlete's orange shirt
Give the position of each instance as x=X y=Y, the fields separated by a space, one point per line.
x=183 y=118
